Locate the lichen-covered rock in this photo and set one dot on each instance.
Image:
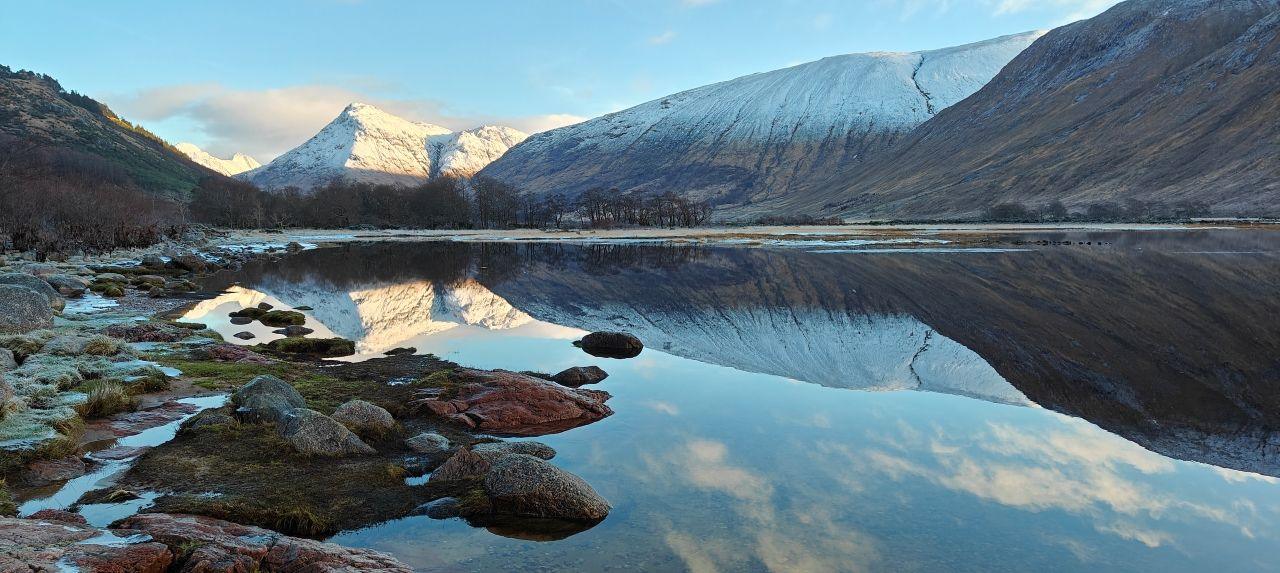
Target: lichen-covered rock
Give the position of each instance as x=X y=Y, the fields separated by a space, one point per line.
x=428 y=443
x=153 y=262
x=462 y=465
x=580 y=376
x=23 y=310
x=266 y=399
x=524 y=485
x=313 y=433
x=215 y=545
x=69 y=286
x=364 y=418
x=493 y=450
x=52 y=543
x=280 y=318
x=51 y=296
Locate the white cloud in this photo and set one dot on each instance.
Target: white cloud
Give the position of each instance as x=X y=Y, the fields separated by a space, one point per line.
x=663 y=38
x=266 y=123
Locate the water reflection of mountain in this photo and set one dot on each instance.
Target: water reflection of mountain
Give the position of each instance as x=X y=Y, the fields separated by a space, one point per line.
x=1166 y=342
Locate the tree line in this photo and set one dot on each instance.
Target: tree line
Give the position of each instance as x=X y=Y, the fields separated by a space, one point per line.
x=1130 y=211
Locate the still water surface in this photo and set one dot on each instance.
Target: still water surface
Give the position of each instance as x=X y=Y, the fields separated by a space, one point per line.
x=1102 y=406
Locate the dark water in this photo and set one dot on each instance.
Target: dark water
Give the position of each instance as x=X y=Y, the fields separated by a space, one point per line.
x=1113 y=405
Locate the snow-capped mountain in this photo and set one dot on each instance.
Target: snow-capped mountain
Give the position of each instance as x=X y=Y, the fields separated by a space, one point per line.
x=239 y=163
x=369 y=145
x=747 y=140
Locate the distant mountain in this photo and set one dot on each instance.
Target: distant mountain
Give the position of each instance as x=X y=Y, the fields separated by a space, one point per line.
x=35 y=108
x=366 y=144
x=239 y=163
x=1154 y=100
x=753 y=140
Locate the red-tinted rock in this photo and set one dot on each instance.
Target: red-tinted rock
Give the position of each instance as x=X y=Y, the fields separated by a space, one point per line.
x=518 y=404
x=135 y=558
x=59 y=515
x=222 y=546
x=53 y=541
x=130 y=423
x=51 y=471
x=233 y=353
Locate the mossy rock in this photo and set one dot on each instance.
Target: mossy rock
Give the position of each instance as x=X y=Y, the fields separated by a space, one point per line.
x=310 y=347
x=280 y=318
x=251 y=312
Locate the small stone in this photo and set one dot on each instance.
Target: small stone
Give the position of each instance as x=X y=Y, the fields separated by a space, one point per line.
x=294 y=330
x=241 y=320
x=399 y=351
x=265 y=306
x=313 y=433
x=244 y=335
x=443 y=508
x=580 y=376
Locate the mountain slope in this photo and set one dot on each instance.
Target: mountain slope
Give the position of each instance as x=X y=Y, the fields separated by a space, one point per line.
x=1154 y=100
x=35 y=108
x=239 y=163
x=368 y=145
x=754 y=138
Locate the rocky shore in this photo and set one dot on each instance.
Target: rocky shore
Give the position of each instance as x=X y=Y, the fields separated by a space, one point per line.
x=91 y=357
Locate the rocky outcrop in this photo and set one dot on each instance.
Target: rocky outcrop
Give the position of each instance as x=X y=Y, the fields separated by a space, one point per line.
x=51 y=542
x=214 y=545
x=527 y=486
x=611 y=344
x=266 y=399
x=313 y=433
x=23 y=310
x=364 y=418
x=55 y=300
x=69 y=286
x=580 y=376
x=516 y=404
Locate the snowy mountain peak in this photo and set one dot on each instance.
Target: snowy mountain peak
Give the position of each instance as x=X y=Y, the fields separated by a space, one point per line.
x=756 y=140
x=239 y=163
x=369 y=145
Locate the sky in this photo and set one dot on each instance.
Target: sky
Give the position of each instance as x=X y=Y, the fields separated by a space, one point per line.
x=262 y=77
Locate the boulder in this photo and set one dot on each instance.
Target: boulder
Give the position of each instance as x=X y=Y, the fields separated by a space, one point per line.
x=7 y=360
x=70 y=286
x=527 y=486
x=462 y=465
x=294 y=330
x=116 y=278
x=211 y=417
x=580 y=376
x=191 y=262
x=611 y=344
x=517 y=404
x=443 y=508
x=266 y=399
x=364 y=418
x=153 y=262
x=265 y=306
x=315 y=434
x=215 y=545
x=493 y=450
x=428 y=443
x=51 y=296
x=23 y=310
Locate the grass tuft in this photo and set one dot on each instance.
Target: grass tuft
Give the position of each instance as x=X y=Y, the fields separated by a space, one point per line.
x=105 y=399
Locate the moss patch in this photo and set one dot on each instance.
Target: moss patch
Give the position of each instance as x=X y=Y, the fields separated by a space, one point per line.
x=316 y=347
x=280 y=318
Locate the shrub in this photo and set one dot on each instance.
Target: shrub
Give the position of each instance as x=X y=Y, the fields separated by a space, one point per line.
x=105 y=399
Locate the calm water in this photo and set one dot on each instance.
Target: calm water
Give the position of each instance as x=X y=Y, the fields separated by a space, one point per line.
x=1109 y=406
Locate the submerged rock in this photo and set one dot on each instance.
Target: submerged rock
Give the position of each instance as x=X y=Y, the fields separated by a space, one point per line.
x=527 y=486
x=443 y=508
x=23 y=310
x=518 y=404
x=294 y=330
x=611 y=344
x=215 y=545
x=365 y=418
x=313 y=433
x=51 y=296
x=266 y=399
x=580 y=376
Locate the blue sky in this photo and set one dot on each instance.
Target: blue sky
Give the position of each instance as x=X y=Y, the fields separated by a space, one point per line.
x=261 y=77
